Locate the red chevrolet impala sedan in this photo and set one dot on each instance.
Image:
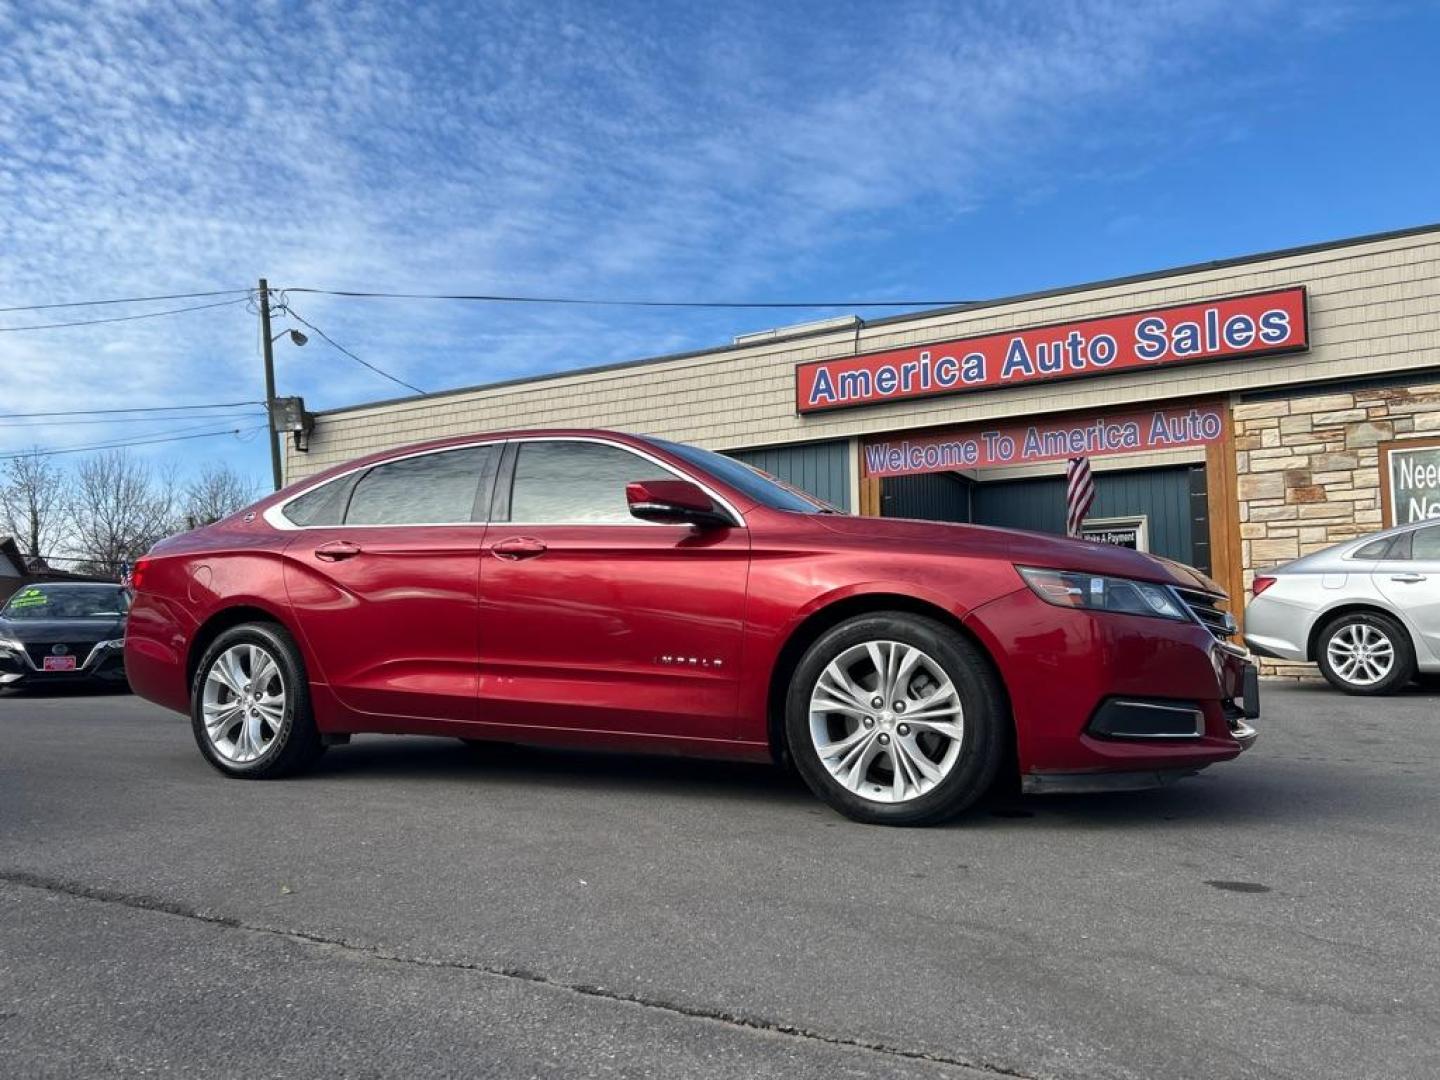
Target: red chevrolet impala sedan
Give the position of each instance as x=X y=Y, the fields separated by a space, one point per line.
x=589 y=588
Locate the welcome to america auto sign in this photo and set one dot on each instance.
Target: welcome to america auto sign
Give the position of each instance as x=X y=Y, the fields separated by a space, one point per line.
x=1020 y=443
x=1256 y=324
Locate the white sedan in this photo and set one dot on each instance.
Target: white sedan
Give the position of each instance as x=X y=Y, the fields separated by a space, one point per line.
x=1367 y=611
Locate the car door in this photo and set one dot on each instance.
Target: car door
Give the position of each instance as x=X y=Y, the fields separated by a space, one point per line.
x=1409 y=578
x=591 y=619
x=384 y=584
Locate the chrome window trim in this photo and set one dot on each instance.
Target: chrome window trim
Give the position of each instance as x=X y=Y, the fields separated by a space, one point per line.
x=275 y=515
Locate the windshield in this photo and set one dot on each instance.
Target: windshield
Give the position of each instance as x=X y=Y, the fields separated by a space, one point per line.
x=66 y=602
x=760 y=486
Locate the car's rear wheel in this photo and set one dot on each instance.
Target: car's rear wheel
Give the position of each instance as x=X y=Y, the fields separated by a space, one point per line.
x=250 y=704
x=894 y=719
x=1366 y=653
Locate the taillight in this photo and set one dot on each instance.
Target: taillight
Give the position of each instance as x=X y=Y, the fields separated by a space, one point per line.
x=137 y=575
x=1260 y=584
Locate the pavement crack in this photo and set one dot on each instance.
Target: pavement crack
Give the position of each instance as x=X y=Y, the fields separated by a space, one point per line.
x=141 y=902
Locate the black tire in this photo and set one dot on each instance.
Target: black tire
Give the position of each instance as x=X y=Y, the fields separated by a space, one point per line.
x=297 y=745
x=984 y=736
x=1402 y=669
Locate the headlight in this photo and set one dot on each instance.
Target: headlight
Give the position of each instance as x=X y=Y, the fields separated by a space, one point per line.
x=1076 y=589
x=10 y=645
x=113 y=643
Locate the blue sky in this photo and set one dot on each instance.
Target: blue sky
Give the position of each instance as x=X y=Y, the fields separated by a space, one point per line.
x=648 y=150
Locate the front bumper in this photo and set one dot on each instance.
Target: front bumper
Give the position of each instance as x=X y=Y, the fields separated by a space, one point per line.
x=1062 y=666
x=102 y=666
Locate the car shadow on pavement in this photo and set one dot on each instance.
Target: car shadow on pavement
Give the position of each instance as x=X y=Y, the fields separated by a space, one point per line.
x=535 y=767
x=1300 y=793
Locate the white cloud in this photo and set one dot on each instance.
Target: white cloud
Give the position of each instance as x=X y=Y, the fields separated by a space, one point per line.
x=638 y=150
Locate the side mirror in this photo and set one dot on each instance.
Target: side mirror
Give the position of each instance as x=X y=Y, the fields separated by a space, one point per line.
x=674 y=502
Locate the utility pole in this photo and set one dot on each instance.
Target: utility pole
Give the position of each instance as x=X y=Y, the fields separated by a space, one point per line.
x=270 y=382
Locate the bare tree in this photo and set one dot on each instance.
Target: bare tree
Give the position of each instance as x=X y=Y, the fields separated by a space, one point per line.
x=216 y=493
x=120 y=509
x=32 y=504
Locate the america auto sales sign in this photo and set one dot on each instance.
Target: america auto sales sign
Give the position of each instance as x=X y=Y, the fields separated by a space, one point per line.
x=1255 y=324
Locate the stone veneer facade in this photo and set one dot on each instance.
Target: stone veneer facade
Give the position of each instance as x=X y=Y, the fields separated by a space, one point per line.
x=1308 y=472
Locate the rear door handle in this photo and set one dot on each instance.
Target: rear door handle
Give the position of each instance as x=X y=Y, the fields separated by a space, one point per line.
x=518 y=547
x=336 y=550
x=1407 y=579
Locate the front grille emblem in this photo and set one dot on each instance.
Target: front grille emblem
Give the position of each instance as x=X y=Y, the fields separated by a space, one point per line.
x=59 y=650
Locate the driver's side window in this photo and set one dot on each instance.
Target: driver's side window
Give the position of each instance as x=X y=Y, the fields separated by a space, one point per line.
x=576 y=483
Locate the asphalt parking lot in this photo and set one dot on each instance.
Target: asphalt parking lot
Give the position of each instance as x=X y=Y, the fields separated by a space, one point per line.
x=418 y=909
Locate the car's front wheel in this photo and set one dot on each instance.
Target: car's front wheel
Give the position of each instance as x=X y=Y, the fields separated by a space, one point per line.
x=1366 y=653
x=250 y=704
x=894 y=719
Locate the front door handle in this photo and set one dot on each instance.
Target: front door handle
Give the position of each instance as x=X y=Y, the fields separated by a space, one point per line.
x=336 y=550
x=1407 y=579
x=518 y=547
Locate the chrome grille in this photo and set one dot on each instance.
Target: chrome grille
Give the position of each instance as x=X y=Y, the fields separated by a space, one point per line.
x=1209 y=608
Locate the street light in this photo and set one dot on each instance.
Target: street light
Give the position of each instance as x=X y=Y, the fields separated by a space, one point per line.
x=295 y=336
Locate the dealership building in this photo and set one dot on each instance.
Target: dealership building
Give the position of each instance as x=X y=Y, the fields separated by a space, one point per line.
x=1236 y=414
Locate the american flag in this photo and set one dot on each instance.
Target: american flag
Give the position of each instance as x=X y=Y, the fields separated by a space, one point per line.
x=1079 y=494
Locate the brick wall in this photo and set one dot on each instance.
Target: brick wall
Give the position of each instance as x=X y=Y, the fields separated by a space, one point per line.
x=1308 y=472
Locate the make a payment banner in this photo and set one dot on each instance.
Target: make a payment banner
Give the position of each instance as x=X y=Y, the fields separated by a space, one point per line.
x=1257 y=324
x=1052 y=440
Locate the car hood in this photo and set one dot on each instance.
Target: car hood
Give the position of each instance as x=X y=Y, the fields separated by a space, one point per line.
x=1022 y=547
x=26 y=631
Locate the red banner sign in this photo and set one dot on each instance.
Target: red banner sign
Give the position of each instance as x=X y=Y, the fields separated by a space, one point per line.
x=1257 y=324
x=978 y=447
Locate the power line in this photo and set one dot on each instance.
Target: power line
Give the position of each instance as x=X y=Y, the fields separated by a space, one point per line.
x=75 y=422
x=124 y=300
x=132 y=409
x=599 y=302
x=124 y=318
x=135 y=442
x=335 y=344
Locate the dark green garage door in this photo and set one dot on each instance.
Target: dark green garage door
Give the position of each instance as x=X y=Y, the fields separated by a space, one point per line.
x=1172 y=499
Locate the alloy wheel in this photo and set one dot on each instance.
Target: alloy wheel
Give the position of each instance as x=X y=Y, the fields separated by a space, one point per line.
x=886 y=721
x=1361 y=654
x=243 y=703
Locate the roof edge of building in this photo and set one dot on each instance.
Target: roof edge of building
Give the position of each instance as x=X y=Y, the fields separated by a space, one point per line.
x=923 y=313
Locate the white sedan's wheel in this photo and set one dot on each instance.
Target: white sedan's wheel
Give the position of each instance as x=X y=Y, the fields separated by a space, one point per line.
x=1361 y=654
x=886 y=721
x=1366 y=652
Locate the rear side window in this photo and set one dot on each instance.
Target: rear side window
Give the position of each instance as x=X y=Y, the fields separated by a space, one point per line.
x=432 y=489
x=1426 y=543
x=1374 y=550
x=573 y=483
x=325 y=505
